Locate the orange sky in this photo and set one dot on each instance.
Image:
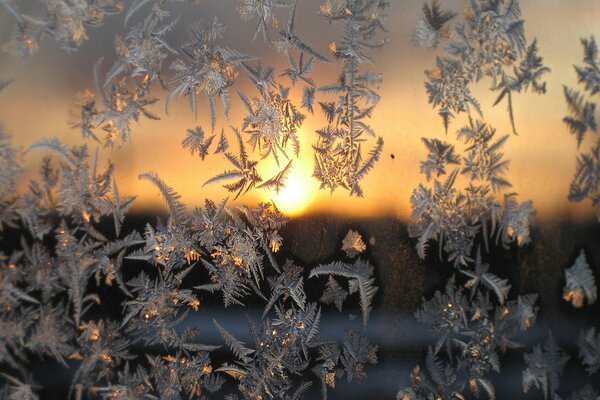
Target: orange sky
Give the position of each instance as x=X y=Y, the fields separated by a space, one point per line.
x=542 y=157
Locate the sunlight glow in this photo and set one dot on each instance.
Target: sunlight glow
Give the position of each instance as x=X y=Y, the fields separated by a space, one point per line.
x=298 y=192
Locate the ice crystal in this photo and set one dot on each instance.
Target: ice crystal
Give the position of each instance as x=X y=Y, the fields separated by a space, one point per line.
x=454 y=217
x=528 y=74
x=74 y=258
x=244 y=171
x=438 y=381
x=264 y=11
x=83 y=190
x=589 y=350
x=223 y=144
x=580 y=285
x=526 y=311
x=272 y=122
x=136 y=5
x=545 y=365
x=448 y=89
x=440 y=155
x=353 y=244
x=79 y=194
x=288 y=284
x=431 y=25
x=300 y=70
x=488 y=44
x=121 y=104
x=290 y=40
x=281 y=348
x=473 y=333
x=277 y=353
x=205 y=67
x=66 y=22
x=334 y=294
x=587 y=393
x=142 y=52
x=583 y=114
x=196 y=142
x=201 y=65
x=435 y=216
x=50 y=294
x=516 y=221
x=18 y=390
x=484 y=161
x=481 y=275
x=10 y=170
x=356 y=354
x=236 y=246
x=588 y=74
x=266 y=221
x=23 y=44
x=582 y=119
x=361 y=278
x=338 y=152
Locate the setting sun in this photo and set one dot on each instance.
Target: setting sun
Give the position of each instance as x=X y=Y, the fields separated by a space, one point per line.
x=298 y=192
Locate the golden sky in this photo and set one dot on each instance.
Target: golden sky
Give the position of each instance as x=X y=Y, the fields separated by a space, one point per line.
x=542 y=157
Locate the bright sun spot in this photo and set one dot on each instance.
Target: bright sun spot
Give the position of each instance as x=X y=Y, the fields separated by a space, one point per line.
x=298 y=192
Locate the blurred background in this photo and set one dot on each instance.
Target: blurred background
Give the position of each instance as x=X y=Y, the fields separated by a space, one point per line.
x=542 y=156
x=542 y=163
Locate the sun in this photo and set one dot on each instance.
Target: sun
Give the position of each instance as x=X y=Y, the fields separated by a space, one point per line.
x=298 y=192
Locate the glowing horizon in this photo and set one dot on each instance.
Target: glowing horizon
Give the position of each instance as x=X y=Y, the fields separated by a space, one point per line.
x=542 y=156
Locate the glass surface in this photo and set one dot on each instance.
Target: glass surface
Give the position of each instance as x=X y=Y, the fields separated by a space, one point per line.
x=45 y=94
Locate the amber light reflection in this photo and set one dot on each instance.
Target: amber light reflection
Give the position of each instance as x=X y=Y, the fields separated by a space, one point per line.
x=299 y=192
x=542 y=157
